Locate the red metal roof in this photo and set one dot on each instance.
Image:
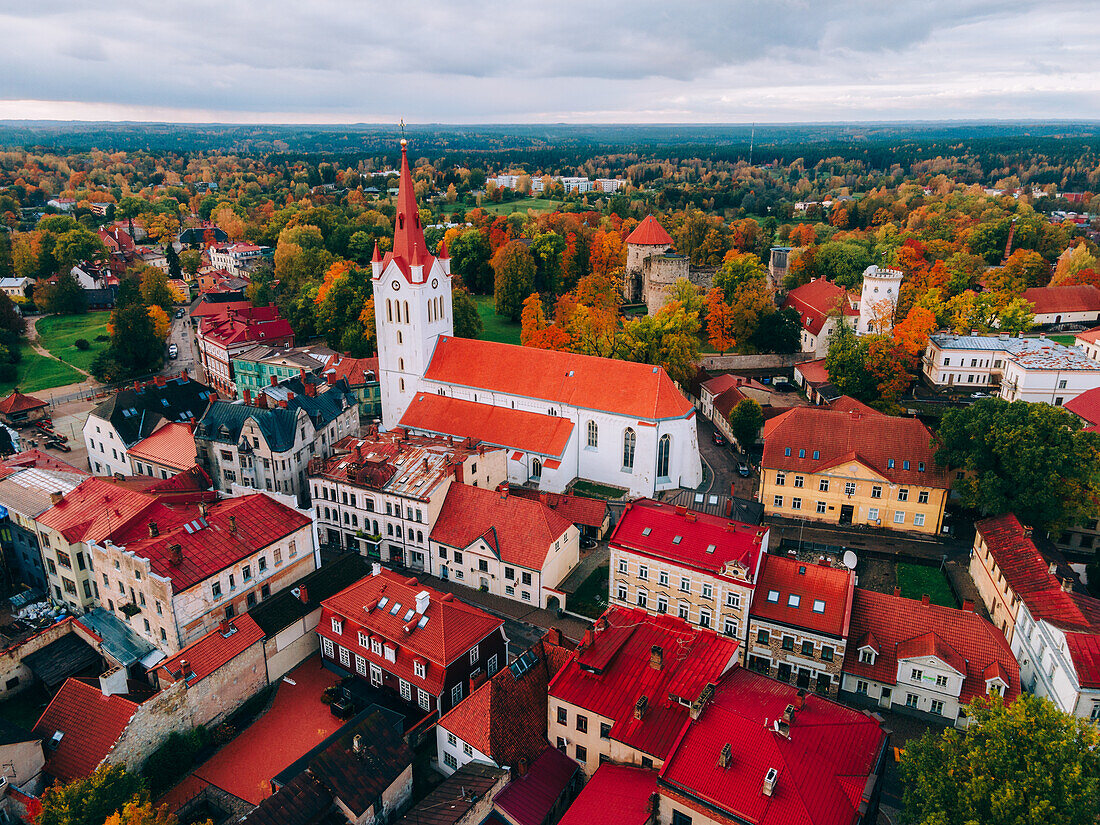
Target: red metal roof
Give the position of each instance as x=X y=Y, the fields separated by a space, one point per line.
x=17 y=402
x=250 y=324
x=451 y=629
x=173 y=445
x=615 y=793
x=90 y=723
x=649 y=233
x=611 y=671
x=585 y=381
x=838 y=437
x=529 y=799
x=1086 y=406
x=1054 y=299
x=531 y=432
x=520 y=529
x=816 y=301
x=813 y=372
x=216 y=648
x=903 y=628
x=42 y=461
x=210 y=309
x=824 y=595
x=691 y=538
x=823 y=767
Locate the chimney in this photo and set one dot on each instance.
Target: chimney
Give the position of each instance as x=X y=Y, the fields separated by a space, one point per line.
x=310 y=390
x=725 y=756
x=375 y=569
x=653 y=806
x=224 y=627
x=1067 y=584
x=656 y=657
x=274 y=381
x=641 y=706
x=897 y=591
x=1027 y=532
x=282 y=404
x=788 y=713
x=690 y=515
x=459 y=471
x=56 y=496
x=154 y=531
x=586 y=640
x=521 y=766
x=261 y=401
x=289 y=397
x=770 y=778
x=247 y=397
x=175 y=554
x=422 y=600
x=330 y=378
x=357 y=743
x=232 y=524
x=185 y=669
x=113 y=682
x=553 y=636
x=968 y=604
x=503 y=490
x=358 y=452
x=924 y=599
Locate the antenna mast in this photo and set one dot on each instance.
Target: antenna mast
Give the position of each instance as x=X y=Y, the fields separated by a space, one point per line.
x=752 y=140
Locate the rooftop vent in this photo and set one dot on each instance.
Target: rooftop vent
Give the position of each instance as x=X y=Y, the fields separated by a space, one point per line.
x=725 y=756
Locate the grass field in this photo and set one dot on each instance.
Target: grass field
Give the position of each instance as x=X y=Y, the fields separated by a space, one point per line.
x=1066 y=340
x=57 y=334
x=591 y=488
x=591 y=597
x=496 y=327
x=522 y=205
x=917 y=579
x=37 y=372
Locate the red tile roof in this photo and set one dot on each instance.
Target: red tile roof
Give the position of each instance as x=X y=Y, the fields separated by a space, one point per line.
x=725 y=401
x=501 y=426
x=1086 y=406
x=211 y=309
x=823 y=767
x=839 y=437
x=248 y=325
x=649 y=233
x=692 y=539
x=615 y=793
x=846 y=403
x=1089 y=336
x=813 y=372
x=816 y=301
x=452 y=627
x=42 y=461
x=91 y=724
x=173 y=445
x=355 y=370
x=520 y=530
x=17 y=402
x=585 y=381
x=611 y=671
x=1054 y=299
x=218 y=647
x=530 y=799
x=811 y=583
x=903 y=628
x=505 y=718
x=580 y=510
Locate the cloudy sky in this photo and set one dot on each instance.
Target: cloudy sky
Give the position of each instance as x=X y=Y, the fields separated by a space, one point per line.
x=511 y=61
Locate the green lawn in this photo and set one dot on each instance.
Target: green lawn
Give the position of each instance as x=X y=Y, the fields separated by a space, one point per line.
x=1066 y=340
x=57 y=333
x=496 y=327
x=591 y=597
x=521 y=205
x=917 y=579
x=591 y=488
x=37 y=372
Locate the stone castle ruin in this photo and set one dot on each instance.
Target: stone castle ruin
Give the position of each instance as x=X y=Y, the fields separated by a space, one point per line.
x=653 y=266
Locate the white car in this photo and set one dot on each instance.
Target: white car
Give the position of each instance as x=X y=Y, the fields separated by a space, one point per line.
x=173 y=351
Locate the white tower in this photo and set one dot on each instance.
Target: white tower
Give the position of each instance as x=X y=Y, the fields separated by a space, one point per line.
x=879 y=300
x=412 y=304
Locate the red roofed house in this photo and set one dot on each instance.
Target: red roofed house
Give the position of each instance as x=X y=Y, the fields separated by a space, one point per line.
x=851 y=467
x=165 y=452
x=423 y=645
x=919 y=657
x=18 y=409
x=1089 y=341
x=702 y=568
x=819 y=304
x=222 y=337
x=509 y=546
x=632 y=683
x=362 y=377
x=799 y=621
x=1054 y=631
x=504 y=720
x=174 y=572
x=591 y=515
x=562 y=416
x=814 y=380
x=1086 y=536
x=1064 y=304
x=622 y=794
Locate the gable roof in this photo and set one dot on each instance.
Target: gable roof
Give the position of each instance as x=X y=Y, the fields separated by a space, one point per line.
x=218 y=647
x=519 y=530
x=846 y=403
x=173 y=445
x=584 y=381
x=136 y=412
x=816 y=301
x=1086 y=406
x=90 y=723
x=357 y=371
x=905 y=628
x=35 y=458
x=529 y=799
x=823 y=594
x=615 y=793
x=302 y=801
x=580 y=510
x=649 y=233
x=452 y=800
x=838 y=437
x=244 y=325
x=1054 y=299
x=18 y=402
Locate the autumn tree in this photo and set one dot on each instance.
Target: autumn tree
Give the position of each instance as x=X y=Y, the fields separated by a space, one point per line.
x=669 y=339
x=547 y=249
x=746 y=419
x=846 y=364
x=338 y=304
x=514 y=278
x=914 y=331
x=738 y=269
x=1070 y=263
x=161 y=322
x=144 y=813
x=154 y=288
x=719 y=322
x=91 y=800
x=532 y=319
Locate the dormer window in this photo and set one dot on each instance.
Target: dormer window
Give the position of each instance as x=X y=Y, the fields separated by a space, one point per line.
x=337 y=626
x=866 y=656
x=996 y=688
x=773 y=596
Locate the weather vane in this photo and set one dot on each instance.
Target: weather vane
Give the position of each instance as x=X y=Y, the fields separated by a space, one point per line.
x=402 y=128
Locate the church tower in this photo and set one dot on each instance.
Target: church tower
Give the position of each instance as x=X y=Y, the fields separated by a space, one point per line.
x=412 y=303
x=879 y=300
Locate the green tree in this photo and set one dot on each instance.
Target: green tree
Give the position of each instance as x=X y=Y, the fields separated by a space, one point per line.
x=1026 y=763
x=514 y=280
x=339 y=302
x=470 y=256
x=846 y=363
x=736 y=271
x=154 y=288
x=90 y=801
x=190 y=261
x=669 y=339
x=746 y=419
x=361 y=247
x=78 y=245
x=261 y=289
x=1033 y=460
x=778 y=332
x=135 y=347
x=466 y=317
x=65 y=297
x=547 y=249
x=10 y=319
x=842 y=262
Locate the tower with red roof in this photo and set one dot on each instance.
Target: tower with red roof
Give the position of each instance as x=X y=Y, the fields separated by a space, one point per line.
x=652 y=265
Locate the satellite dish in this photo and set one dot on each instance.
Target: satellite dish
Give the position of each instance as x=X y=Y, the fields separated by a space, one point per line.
x=849 y=560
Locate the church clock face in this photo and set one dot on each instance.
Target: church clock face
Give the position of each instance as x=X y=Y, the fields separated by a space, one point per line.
x=435 y=283
x=396 y=286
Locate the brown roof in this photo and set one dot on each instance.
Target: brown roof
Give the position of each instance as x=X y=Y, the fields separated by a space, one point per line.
x=1052 y=299
x=581 y=510
x=17 y=402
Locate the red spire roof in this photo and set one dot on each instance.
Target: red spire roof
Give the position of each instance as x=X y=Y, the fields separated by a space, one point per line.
x=409 y=248
x=442 y=251
x=376 y=258
x=650 y=233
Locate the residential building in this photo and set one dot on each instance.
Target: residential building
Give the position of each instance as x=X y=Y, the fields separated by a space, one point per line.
x=18 y=410
x=920 y=658
x=575 y=184
x=268 y=441
x=362 y=376
x=1053 y=630
x=813 y=378
x=561 y=416
x=22 y=755
x=237 y=258
x=630 y=686
x=799 y=621
x=615 y=793
x=608 y=185
x=1089 y=342
x=463 y=798
x=1049 y=373
x=223 y=337
x=972 y=362
x=503 y=722
x=254 y=367
x=424 y=646
x=166 y=451
x=699 y=567
x=852 y=467
x=15 y=288
x=820 y=305
x=1056 y=305
x=177 y=571
x=517 y=548
x=541 y=793
x=204 y=234
x=591 y=515
x=132 y=414
x=381 y=495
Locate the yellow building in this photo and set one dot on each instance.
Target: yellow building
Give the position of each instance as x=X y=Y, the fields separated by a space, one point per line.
x=852 y=465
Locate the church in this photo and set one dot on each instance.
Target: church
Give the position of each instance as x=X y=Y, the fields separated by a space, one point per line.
x=561 y=416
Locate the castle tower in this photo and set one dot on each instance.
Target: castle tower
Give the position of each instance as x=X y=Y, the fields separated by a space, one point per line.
x=879 y=300
x=649 y=238
x=412 y=303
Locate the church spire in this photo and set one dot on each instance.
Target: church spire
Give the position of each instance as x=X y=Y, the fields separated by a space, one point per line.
x=408 y=234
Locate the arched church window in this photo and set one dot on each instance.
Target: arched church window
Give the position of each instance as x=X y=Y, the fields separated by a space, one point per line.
x=536 y=468
x=664 y=449
x=401 y=364
x=630 y=440
x=406 y=312
x=389 y=311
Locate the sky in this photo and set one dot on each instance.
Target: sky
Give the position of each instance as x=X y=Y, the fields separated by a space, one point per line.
x=571 y=61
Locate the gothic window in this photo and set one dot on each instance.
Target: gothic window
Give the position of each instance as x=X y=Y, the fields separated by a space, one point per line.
x=401 y=364
x=406 y=312
x=664 y=447
x=630 y=439
x=536 y=468
x=389 y=311
x=593 y=434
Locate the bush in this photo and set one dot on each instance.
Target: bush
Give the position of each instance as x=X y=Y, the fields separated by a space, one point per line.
x=82 y=343
x=173 y=759
x=8 y=373
x=224 y=733
x=103 y=338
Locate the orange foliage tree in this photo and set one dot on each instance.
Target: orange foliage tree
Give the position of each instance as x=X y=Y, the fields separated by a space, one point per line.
x=720 y=322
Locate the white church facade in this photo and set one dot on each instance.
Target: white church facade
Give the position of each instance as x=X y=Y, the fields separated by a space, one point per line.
x=561 y=416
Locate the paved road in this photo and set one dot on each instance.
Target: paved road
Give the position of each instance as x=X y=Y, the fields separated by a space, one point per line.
x=180 y=335
x=722 y=461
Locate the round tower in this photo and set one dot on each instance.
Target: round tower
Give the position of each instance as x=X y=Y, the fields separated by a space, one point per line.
x=878 y=300
x=647 y=240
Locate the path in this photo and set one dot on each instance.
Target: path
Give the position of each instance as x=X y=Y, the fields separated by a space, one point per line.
x=32 y=339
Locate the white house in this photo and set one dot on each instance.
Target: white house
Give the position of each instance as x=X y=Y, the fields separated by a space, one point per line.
x=1055 y=305
x=1049 y=373
x=1089 y=342
x=821 y=305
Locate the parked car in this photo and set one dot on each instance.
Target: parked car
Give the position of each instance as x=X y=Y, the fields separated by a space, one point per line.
x=173 y=351
x=179 y=313
x=718 y=439
x=744 y=470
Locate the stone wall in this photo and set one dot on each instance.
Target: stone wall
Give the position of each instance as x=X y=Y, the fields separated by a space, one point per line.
x=774 y=652
x=292 y=645
x=768 y=361
x=14 y=675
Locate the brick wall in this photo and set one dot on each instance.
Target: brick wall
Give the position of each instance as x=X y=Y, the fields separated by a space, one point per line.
x=12 y=668
x=774 y=651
